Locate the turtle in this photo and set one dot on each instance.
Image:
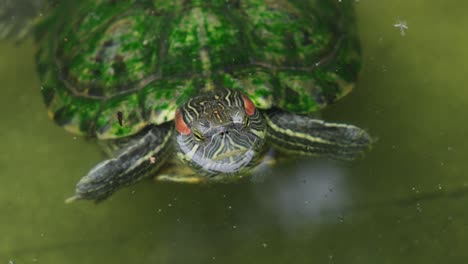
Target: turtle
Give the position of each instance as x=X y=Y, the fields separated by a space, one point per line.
x=198 y=91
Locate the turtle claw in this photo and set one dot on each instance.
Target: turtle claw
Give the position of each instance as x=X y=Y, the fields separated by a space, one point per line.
x=72 y=199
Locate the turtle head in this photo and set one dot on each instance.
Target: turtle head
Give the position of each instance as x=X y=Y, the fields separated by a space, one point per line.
x=220 y=133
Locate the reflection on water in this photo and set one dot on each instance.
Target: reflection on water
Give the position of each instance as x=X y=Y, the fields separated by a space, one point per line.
x=317 y=194
x=405 y=202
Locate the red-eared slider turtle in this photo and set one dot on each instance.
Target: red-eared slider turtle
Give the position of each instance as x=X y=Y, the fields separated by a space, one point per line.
x=206 y=88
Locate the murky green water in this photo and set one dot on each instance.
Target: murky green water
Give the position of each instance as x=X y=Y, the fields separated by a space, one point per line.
x=406 y=202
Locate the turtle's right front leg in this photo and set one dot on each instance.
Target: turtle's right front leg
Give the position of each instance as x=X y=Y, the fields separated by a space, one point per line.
x=142 y=155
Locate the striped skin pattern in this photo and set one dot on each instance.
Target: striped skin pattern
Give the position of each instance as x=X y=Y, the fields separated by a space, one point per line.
x=226 y=136
x=128 y=166
x=305 y=136
x=221 y=137
x=146 y=58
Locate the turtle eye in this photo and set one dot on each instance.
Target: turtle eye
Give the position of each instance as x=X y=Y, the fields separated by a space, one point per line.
x=198 y=135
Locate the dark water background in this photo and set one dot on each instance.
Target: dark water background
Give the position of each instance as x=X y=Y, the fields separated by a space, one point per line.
x=406 y=202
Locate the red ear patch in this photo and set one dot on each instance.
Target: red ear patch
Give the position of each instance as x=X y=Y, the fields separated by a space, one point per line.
x=180 y=124
x=248 y=105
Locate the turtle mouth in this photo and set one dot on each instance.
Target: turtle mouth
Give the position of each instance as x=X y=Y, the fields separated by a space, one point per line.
x=231 y=154
x=229 y=162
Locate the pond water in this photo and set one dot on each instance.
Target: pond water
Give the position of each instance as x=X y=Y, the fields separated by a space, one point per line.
x=405 y=202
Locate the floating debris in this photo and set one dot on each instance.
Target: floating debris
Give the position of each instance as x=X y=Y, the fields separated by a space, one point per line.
x=402 y=25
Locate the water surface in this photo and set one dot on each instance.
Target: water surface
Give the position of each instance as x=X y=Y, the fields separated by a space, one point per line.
x=405 y=202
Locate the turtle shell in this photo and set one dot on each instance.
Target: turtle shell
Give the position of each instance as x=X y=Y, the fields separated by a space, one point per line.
x=140 y=60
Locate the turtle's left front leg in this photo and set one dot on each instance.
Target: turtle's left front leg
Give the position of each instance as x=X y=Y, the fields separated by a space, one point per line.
x=140 y=156
x=307 y=136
